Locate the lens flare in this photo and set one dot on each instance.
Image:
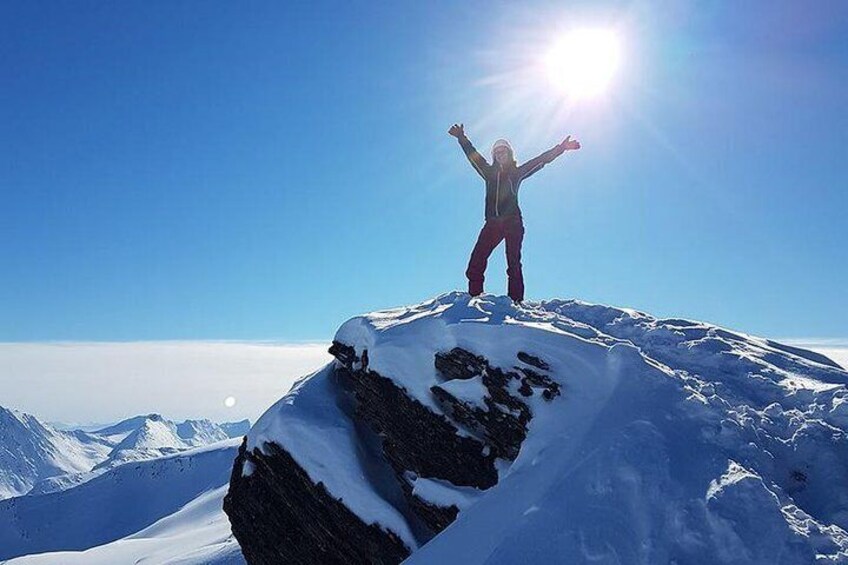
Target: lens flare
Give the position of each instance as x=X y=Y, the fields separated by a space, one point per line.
x=583 y=62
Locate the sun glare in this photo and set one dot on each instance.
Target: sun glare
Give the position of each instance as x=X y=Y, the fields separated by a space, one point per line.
x=582 y=63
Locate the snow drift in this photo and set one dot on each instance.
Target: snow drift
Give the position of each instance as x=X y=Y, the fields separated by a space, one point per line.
x=466 y=430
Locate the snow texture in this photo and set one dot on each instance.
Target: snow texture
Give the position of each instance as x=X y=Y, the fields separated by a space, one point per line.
x=444 y=493
x=674 y=441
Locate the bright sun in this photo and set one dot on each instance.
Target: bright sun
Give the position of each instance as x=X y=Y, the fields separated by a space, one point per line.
x=583 y=62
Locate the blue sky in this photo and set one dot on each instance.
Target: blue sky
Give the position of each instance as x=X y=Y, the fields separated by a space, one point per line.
x=258 y=170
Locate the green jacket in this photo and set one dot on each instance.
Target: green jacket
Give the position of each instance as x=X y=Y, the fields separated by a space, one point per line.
x=503 y=182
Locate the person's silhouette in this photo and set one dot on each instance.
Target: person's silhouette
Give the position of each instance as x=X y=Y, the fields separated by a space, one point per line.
x=503 y=215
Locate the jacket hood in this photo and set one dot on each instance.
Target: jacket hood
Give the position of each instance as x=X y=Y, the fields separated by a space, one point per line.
x=504 y=143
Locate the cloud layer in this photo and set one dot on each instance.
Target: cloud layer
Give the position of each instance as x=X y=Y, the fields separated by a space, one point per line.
x=104 y=382
x=836 y=349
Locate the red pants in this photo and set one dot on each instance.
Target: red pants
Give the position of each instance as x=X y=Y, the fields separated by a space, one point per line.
x=494 y=231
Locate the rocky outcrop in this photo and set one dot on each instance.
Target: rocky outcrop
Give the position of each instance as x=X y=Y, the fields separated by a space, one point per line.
x=503 y=418
x=279 y=515
x=471 y=429
x=435 y=516
x=413 y=437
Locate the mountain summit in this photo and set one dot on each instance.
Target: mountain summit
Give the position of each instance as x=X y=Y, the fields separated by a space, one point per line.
x=468 y=430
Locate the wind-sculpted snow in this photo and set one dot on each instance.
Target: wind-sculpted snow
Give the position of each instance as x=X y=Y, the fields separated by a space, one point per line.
x=616 y=437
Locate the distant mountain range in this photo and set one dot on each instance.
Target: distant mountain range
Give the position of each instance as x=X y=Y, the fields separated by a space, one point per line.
x=37 y=458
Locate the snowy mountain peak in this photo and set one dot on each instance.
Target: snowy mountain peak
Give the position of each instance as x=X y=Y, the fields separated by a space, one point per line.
x=128 y=425
x=13 y=418
x=37 y=458
x=154 y=433
x=200 y=432
x=236 y=429
x=31 y=451
x=559 y=430
x=156 y=436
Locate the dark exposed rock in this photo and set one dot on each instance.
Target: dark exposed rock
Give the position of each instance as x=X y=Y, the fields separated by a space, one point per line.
x=416 y=439
x=278 y=515
x=504 y=421
x=436 y=517
x=502 y=430
x=344 y=353
x=413 y=437
x=497 y=383
x=551 y=388
x=533 y=361
x=460 y=364
x=534 y=378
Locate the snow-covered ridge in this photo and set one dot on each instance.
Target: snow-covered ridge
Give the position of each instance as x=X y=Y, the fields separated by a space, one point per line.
x=154 y=436
x=36 y=458
x=671 y=440
x=31 y=451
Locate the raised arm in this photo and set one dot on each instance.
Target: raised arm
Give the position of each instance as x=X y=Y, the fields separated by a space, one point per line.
x=477 y=161
x=536 y=163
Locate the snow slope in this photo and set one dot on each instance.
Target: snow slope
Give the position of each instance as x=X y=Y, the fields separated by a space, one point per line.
x=31 y=451
x=188 y=433
x=201 y=432
x=113 y=505
x=75 y=456
x=197 y=534
x=236 y=429
x=154 y=438
x=673 y=441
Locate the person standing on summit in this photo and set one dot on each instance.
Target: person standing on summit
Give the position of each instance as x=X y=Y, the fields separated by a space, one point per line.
x=503 y=216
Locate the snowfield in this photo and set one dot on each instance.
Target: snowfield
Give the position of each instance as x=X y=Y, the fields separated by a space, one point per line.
x=673 y=441
x=126 y=501
x=197 y=534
